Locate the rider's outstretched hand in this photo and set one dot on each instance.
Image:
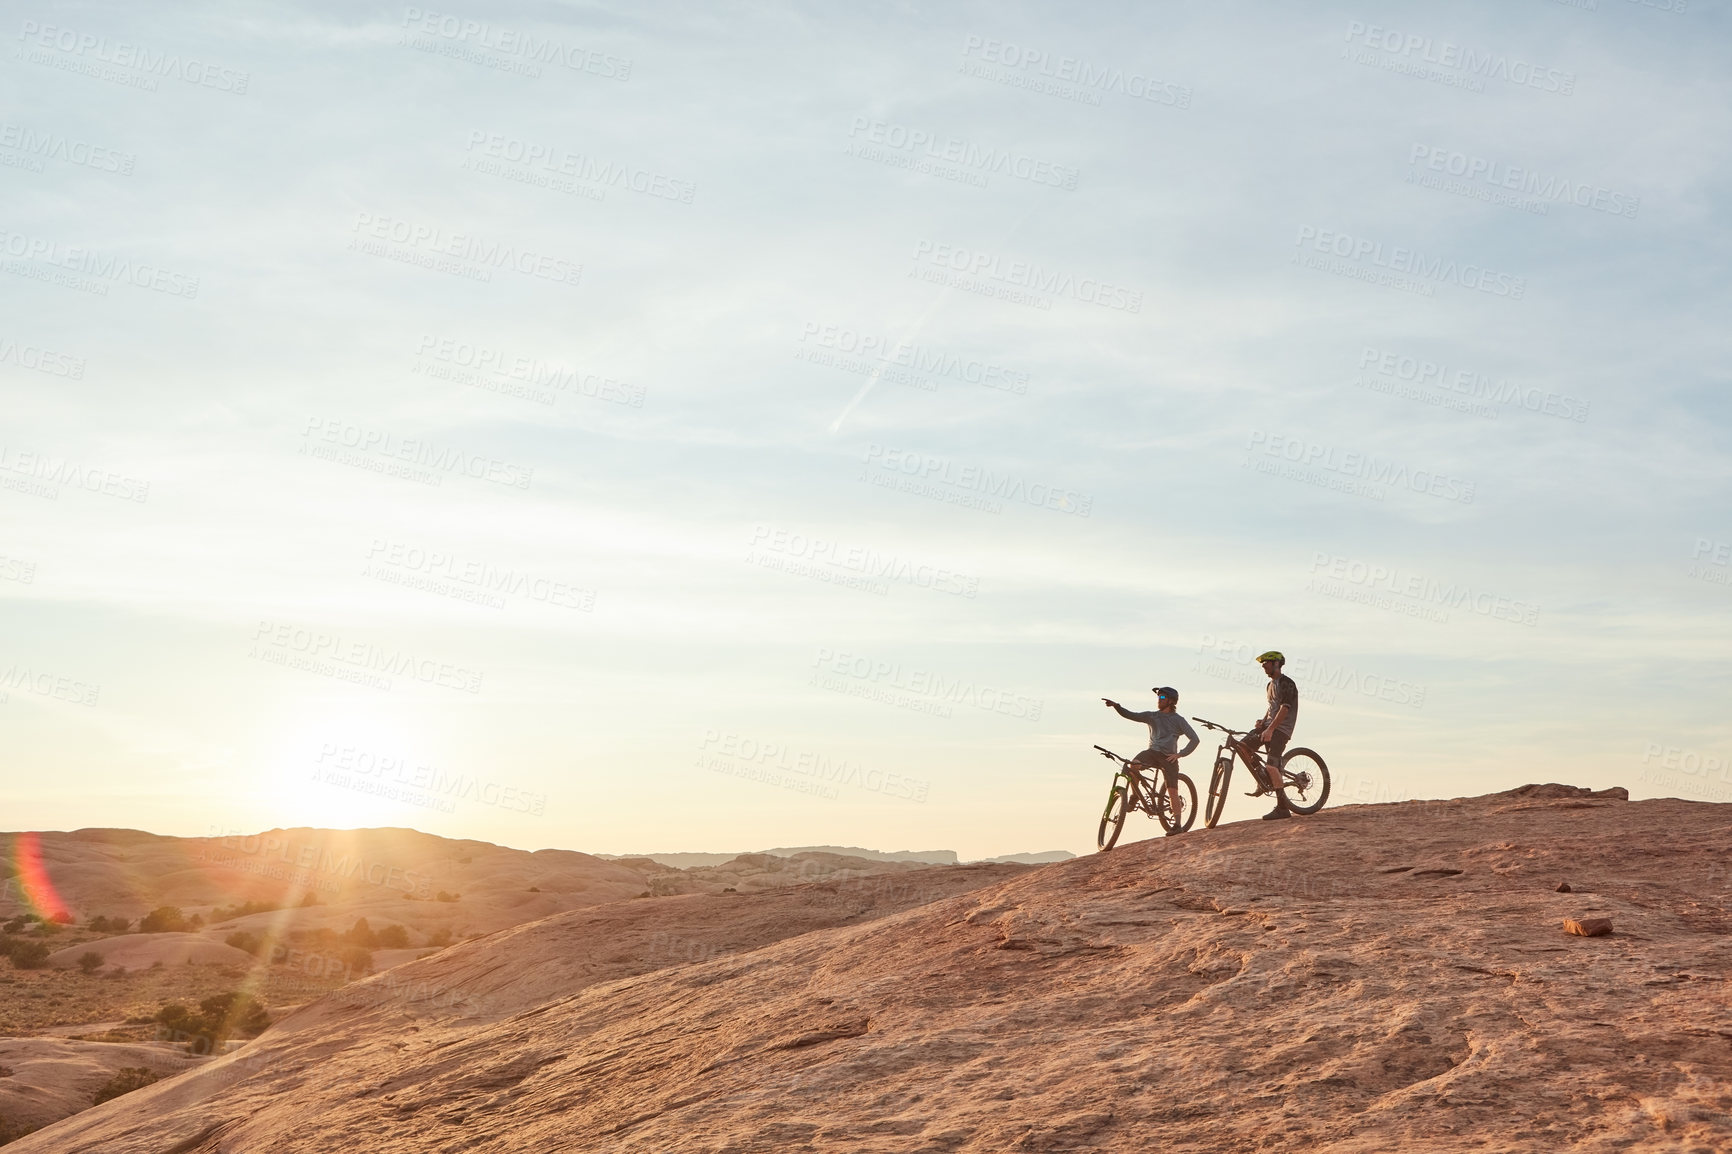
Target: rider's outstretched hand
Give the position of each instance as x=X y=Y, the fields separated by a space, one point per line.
x=1109 y=703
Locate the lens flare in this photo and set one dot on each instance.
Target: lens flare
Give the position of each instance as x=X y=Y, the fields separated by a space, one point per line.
x=38 y=890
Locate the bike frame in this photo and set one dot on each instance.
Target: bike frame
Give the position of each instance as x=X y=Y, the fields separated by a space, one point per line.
x=1151 y=783
x=1142 y=789
x=1252 y=759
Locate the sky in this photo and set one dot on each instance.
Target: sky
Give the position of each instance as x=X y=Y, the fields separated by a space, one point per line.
x=709 y=427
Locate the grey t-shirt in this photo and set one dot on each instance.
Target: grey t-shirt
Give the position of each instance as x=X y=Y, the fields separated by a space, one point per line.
x=1164 y=730
x=1281 y=692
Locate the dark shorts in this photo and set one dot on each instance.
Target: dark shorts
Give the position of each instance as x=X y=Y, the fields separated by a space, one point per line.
x=1273 y=748
x=1168 y=762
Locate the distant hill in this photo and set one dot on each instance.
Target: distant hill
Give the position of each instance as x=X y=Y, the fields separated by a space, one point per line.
x=686 y=861
x=321 y=878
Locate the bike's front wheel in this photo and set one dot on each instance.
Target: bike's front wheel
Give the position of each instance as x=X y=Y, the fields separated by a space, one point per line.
x=1113 y=819
x=1218 y=791
x=1187 y=810
x=1304 y=781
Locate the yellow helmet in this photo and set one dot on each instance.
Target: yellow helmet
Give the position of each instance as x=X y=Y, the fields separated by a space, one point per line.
x=1272 y=655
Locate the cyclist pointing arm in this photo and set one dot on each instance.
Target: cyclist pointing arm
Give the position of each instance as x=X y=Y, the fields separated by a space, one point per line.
x=1165 y=725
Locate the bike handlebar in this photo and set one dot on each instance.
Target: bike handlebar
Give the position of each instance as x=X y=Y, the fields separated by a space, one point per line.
x=1211 y=725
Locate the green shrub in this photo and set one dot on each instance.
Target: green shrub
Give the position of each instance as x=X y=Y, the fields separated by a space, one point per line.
x=239 y=1013
x=217 y=1018
x=90 y=961
x=28 y=955
x=229 y=913
x=361 y=934
x=241 y=940
x=393 y=938
x=128 y=1079
x=163 y=920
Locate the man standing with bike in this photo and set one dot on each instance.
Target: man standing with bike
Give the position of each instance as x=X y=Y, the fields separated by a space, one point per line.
x=1165 y=725
x=1275 y=730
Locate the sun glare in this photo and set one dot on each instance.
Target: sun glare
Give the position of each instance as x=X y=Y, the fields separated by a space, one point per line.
x=338 y=767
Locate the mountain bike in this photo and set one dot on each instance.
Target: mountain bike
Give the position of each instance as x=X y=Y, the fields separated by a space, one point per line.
x=1303 y=784
x=1132 y=791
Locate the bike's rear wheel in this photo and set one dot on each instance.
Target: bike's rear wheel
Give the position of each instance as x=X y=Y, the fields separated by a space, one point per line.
x=1181 y=821
x=1304 y=781
x=1218 y=791
x=1113 y=820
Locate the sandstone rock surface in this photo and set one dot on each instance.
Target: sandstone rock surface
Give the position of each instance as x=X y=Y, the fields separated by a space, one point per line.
x=52 y=1077
x=1369 y=979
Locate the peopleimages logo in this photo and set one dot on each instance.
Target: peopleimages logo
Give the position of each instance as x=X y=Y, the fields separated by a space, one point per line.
x=52 y=472
x=538 y=377
x=1418 y=588
x=71 y=150
x=1315 y=675
x=1413 y=50
x=557 y=161
x=274 y=643
x=926 y=469
x=527 y=47
x=22 y=678
x=1474 y=386
x=84 y=45
x=1711 y=561
x=357 y=767
x=1077 y=79
x=900 y=138
x=41 y=360
x=867 y=563
x=1498 y=177
x=917 y=358
x=933 y=688
x=768 y=760
x=1358 y=467
x=385 y=448
x=470 y=579
x=1408 y=262
x=426 y=244
x=102 y=267
x=972 y=265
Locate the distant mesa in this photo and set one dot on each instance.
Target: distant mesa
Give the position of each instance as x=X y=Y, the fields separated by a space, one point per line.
x=1042 y=858
x=925 y=856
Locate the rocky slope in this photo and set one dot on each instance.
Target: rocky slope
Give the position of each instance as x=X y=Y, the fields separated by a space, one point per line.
x=1373 y=978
